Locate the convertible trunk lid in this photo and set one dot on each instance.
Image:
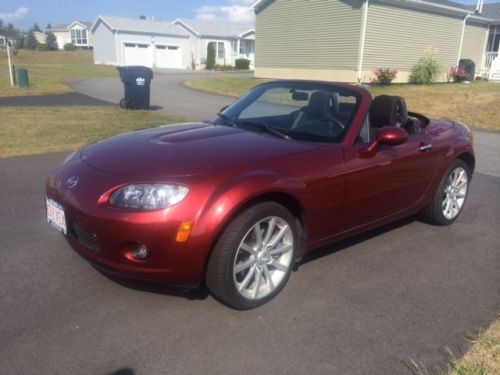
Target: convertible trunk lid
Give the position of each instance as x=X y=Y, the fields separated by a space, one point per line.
x=185 y=149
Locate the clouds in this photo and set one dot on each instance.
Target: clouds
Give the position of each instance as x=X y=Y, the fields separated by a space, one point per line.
x=237 y=11
x=18 y=14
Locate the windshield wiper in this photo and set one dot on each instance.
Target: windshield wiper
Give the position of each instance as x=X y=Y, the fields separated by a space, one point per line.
x=269 y=129
x=228 y=120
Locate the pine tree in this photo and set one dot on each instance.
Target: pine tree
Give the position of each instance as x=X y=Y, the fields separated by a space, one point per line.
x=48 y=27
x=30 y=41
x=51 y=41
x=36 y=28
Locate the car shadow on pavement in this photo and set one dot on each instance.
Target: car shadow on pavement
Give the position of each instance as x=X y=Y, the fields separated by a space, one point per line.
x=352 y=241
x=198 y=293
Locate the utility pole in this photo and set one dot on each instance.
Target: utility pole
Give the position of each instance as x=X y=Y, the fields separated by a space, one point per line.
x=10 y=65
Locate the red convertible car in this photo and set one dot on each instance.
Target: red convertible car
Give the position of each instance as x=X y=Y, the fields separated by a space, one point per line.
x=287 y=168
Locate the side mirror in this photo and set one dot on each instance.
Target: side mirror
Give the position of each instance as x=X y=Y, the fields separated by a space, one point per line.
x=392 y=136
x=388 y=135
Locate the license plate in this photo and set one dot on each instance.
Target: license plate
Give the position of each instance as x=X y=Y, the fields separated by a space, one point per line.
x=55 y=215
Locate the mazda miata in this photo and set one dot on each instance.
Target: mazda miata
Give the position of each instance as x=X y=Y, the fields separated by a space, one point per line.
x=237 y=201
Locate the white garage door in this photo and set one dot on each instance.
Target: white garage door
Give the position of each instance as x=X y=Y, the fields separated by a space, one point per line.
x=168 y=56
x=137 y=54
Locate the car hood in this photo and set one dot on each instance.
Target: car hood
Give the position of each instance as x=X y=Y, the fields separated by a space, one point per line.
x=185 y=150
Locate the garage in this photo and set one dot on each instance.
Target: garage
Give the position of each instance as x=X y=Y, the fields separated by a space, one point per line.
x=168 y=56
x=137 y=54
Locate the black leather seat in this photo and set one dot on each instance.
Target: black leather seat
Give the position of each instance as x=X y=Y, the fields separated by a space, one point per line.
x=318 y=115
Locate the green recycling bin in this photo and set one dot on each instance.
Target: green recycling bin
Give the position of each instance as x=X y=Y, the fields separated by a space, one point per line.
x=22 y=77
x=14 y=77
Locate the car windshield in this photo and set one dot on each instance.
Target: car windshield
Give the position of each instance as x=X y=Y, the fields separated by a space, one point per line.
x=308 y=111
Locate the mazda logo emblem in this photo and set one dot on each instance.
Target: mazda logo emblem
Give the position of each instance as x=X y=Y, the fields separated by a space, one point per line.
x=72 y=182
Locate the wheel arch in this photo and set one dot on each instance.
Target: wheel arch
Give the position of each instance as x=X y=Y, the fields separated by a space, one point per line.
x=469 y=160
x=287 y=200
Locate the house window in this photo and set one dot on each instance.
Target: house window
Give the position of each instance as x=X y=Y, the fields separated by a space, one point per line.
x=79 y=37
x=220 y=50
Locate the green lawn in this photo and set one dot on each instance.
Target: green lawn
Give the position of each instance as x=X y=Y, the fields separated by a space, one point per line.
x=476 y=104
x=49 y=71
x=37 y=130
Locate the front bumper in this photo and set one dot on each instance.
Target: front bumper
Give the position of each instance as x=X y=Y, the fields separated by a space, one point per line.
x=104 y=235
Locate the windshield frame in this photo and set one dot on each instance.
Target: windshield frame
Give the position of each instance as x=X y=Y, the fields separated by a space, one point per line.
x=235 y=109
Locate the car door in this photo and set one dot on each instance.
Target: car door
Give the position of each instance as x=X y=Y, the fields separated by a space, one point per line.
x=393 y=180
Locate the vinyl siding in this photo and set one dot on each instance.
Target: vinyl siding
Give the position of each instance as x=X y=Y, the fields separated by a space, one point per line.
x=473 y=45
x=397 y=37
x=104 y=45
x=312 y=34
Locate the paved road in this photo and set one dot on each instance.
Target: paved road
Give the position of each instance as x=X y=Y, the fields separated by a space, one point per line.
x=168 y=93
x=363 y=306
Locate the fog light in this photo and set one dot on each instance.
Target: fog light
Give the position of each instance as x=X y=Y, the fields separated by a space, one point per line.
x=140 y=252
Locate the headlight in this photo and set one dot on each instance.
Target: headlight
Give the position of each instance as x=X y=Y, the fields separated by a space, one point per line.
x=148 y=196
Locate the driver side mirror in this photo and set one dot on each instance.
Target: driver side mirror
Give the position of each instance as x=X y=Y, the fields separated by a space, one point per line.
x=388 y=135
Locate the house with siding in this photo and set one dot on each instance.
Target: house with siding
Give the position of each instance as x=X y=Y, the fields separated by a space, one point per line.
x=232 y=41
x=77 y=33
x=345 y=40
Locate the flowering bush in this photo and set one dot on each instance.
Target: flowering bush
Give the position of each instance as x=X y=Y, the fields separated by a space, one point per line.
x=384 y=76
x=456 y=74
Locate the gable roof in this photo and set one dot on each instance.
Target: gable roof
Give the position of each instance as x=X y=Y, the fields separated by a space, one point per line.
x=139 y=26
x=65 y=26
x=215 y=28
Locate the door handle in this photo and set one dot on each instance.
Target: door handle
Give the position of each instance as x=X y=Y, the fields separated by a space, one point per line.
x=425 y=147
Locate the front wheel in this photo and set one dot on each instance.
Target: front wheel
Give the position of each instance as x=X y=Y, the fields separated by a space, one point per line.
x=450 y=197
x=252 y=261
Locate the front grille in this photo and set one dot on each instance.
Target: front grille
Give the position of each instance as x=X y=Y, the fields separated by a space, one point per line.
x=85 y=237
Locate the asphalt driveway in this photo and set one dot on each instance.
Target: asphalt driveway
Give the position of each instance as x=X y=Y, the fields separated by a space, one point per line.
x=168 y=93
x=363 y=306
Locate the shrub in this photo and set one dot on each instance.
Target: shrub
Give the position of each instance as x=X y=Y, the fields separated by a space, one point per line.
x=384 y=76
x=427 y=69
x=69 y=47
x=42 y=47
x=242 y=64
x=456 y=74
x=223 y=67
x=210 y=56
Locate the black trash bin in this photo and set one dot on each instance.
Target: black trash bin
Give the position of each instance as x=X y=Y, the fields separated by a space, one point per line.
x=136 y=82
x=469 y=67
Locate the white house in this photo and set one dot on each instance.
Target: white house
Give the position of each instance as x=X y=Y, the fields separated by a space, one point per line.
x=232 y=41
x=77 y=33
x=124 y=41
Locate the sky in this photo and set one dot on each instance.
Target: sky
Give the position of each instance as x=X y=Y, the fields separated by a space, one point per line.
x=24 y=13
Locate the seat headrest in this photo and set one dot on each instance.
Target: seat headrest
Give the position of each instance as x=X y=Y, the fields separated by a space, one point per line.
x=319 y=105
x=384 y=111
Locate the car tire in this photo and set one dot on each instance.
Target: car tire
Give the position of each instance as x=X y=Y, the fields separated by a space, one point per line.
x=252 y=260
x=122 y=103
x=450 y=197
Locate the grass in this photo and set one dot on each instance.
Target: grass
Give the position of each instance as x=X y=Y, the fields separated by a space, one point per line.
x=482 y=358
x=29 y=131
x=475 y=104
x=49 y=71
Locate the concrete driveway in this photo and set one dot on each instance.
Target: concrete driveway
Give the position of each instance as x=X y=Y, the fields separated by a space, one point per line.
x=168 y=93
x=363 y=306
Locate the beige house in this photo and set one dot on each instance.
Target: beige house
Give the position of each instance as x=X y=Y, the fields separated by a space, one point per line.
x=345 y=40
x=40 y=37
x=77 y=33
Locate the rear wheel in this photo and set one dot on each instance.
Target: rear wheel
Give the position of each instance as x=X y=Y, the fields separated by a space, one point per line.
x=252 y=261
x=450 y=196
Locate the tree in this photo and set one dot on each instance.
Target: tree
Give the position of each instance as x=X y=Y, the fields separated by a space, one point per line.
x=210 y=56
x=51 y=41
x=36 y=28
x=48 y=27
x=30 y=41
